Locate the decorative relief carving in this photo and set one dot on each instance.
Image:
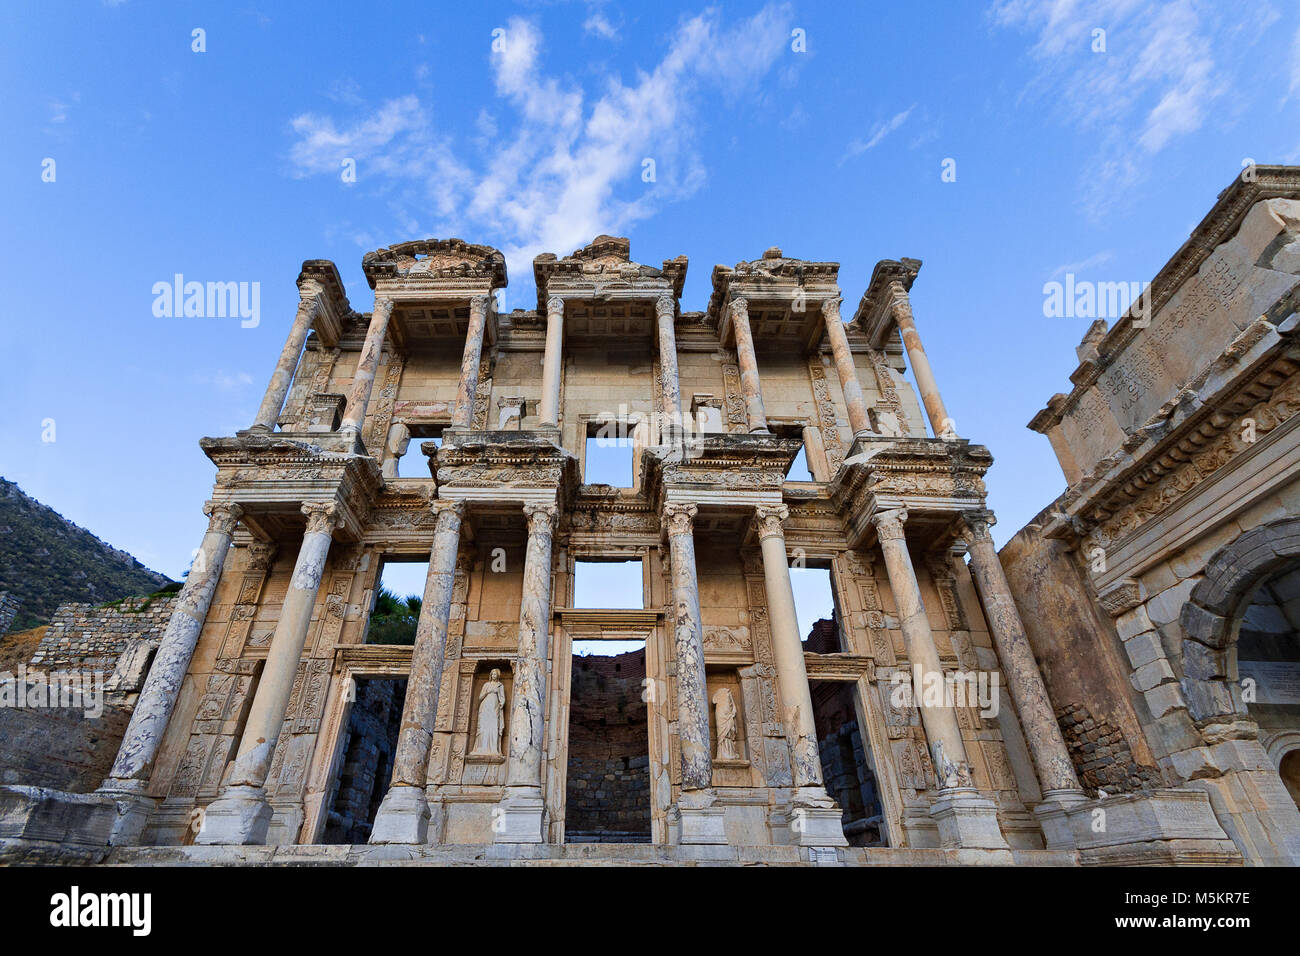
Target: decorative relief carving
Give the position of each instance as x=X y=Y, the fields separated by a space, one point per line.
x=735 y=403
x=889 y=399
x=831 y=441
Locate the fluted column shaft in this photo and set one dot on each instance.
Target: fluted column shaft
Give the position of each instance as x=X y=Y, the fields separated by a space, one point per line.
x=363 y=379
x=750 y=389
x=939 y=720
x=552 y=362
x=266 y=715
x=273 y=402
x=411 y=762
x=844 y=365
x=934 y=409
x=791 y=673
x=470 y=363
x=157 y=700
x=528 y=709
x=688 y=648
x=669 y=383
x=1025 y=682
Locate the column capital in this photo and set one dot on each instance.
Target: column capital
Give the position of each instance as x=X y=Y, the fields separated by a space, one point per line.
x=322 y=516
x=900 y=302
x=978 y=523
x=889 y=524
x=222 y=516
x=665 y=304
x=479 y=303
x=260 y=556
x=740 y=305
x=541 y=517
x=831 y=307
x=383 y=304
x=447 y=506
x=679 y=516
x=769 y=518
x=554 y=306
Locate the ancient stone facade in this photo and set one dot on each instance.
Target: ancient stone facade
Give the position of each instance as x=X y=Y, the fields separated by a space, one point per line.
x=240 y=732
x=1159 y=591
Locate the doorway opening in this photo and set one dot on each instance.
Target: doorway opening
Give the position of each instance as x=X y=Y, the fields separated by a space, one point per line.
x=847 y=763
x=366 y=768
x=607 y=788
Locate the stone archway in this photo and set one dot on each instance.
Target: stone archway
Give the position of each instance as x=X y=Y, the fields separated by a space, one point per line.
x=1211 y=618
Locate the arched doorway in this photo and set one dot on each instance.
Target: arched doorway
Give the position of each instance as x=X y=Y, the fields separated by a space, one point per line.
x=1268 y=666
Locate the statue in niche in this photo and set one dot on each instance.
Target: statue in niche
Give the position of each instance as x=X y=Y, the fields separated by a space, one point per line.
x=491 y=708
x=724 y=712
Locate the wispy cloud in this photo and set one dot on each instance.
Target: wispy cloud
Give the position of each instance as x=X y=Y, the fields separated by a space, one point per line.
x=858 y=146
x=1155 y=82
x=1097 y=259
x=223 y=381
x=598 y=23
x=555 y=167
x=1295 y=66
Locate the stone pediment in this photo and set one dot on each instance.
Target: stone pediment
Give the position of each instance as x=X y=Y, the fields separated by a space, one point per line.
x=436 y=259
x=501 y=460
x=606 y=263
x=719 y=463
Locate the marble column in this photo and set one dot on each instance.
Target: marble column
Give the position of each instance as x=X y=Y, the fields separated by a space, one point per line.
x=471 y=361
x=750 y=390
x=241 y=814
x=363 y=379
x=901 y=307
x=701 y=821
x=815 y=819
x=1024 y=681
x=552 y=363
x=848 y=371
x=964 y=818
x=670 y=432
x=519 y=818
x=130 y=773
x=403 y=815
x=273 y=402
x=688 y=646
x=940 y=722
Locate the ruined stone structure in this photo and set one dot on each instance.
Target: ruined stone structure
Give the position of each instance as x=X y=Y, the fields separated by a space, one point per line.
x=235 y=746
x=1161 y=591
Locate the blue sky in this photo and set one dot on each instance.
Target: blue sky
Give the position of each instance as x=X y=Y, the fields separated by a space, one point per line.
x=225 y=165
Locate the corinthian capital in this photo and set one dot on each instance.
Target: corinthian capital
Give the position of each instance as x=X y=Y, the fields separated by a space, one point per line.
x=383 y=304
x=479 y=304
x=889 y=524
x=679 y=516
x=900 y=303
x=555 y=307
x=665 y=306
x=831 y=308
x=222 y=516
x=541 y=517
x=978 y=523
x=322 y=516
x=447 y=506
x=769 y=518
x=740 y=308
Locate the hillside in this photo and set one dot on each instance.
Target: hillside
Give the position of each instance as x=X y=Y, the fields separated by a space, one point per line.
x=46 y=560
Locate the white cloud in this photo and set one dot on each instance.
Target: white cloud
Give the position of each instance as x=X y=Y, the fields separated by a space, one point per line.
x=858 y=147
x=1097 y=259
x=599 y=24
x=564 y=167
x=1155 y=82
x=1295 y=66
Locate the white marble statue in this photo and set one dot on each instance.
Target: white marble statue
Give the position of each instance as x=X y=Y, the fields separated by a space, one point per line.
x=491 y=708
x=724 y=712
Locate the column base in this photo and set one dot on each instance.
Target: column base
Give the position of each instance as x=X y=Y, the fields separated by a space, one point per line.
x=967 y=820
x=241 y=816
x=700 y=821
x=403 y=817
x=518 y=818
x=134 y=808
x=1054 y=817
x=815 y=819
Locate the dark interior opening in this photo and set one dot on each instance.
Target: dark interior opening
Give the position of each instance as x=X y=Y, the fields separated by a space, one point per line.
x=607 y=793
x=846 y=763
x=369 y=742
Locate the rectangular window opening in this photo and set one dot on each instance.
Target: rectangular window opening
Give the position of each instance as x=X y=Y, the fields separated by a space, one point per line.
x=608 y=585
x=817 y=610
x=395 y=608
x=608 y=458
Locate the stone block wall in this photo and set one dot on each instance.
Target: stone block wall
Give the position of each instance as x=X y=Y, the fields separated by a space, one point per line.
x=608 y=787
x=1101 y=755
x=60 y=747
x=90 y=637
x=8 y=611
